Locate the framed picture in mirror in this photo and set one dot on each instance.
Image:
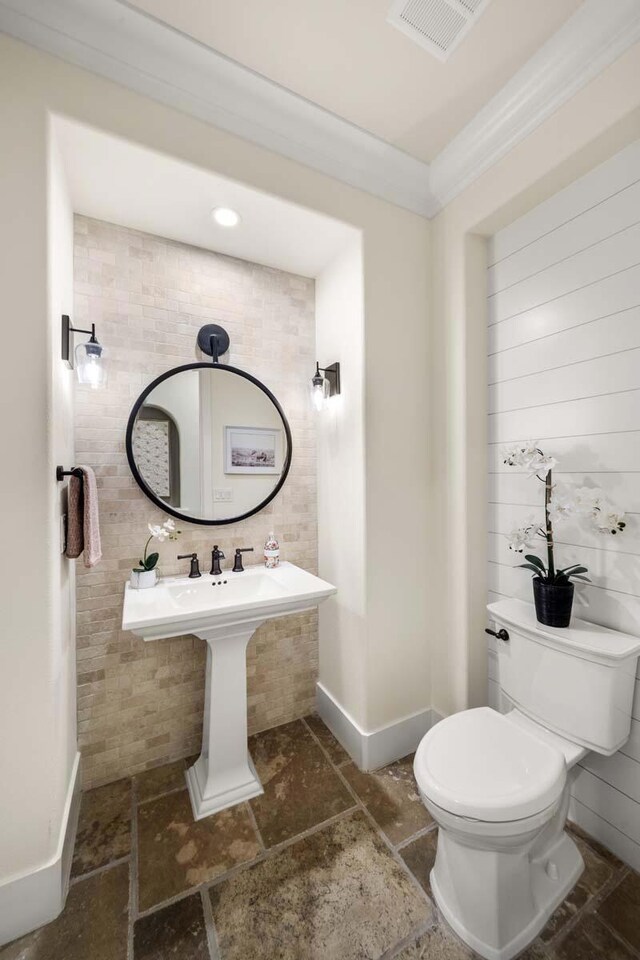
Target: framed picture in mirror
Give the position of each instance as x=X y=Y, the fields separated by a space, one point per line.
x=253 y=450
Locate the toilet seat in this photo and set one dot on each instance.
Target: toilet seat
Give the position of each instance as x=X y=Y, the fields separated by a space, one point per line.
x=479 y=765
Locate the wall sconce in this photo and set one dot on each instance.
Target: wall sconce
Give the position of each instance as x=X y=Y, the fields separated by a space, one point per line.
x=90 y=363
x=322 y=387
x=213 y=340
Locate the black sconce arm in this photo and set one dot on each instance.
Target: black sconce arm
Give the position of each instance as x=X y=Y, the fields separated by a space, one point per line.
x=67 y=330
x=332 y=374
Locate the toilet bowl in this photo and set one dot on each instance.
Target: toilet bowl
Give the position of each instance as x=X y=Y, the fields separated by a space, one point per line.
x=499 y=794
x=498 y=785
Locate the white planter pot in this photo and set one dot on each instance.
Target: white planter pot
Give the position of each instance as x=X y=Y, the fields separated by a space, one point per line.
x=146 y=578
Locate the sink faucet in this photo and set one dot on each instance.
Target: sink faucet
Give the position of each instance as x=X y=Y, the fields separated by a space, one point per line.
x=237 y=561
x=195 y=567
x=216 y=556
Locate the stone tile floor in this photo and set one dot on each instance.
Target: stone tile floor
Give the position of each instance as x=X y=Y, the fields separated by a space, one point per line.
x=329 y=864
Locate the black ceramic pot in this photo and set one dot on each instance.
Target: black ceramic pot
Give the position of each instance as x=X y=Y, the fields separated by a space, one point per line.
x=553 y=603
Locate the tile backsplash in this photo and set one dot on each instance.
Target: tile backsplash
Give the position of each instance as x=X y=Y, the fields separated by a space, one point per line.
x=140 y=703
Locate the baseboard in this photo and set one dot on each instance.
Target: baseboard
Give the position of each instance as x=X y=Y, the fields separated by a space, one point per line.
x=35 y=898
x=371 y=749
x=609 y=836
x=70 y=823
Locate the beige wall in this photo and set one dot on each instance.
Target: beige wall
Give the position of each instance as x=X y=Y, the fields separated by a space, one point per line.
x=398 y=461
x=61 y=451
x=341 y=483
x=140 y=704
x=238 y=402
x=591 y=127
x=37 y=703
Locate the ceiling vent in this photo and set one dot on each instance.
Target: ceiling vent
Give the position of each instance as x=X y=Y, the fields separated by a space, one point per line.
x=437 y=25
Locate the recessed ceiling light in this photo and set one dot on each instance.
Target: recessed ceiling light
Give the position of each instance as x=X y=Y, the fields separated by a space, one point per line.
x=225 y=216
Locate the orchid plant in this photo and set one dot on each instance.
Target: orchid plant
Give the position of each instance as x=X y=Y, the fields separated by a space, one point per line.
x=159 y=532
x=561 y=502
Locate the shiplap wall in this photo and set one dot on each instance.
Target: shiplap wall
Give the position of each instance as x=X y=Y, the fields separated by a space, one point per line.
x=564 y=369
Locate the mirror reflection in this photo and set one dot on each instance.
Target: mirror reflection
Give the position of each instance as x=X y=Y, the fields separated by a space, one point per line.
x=210 y=443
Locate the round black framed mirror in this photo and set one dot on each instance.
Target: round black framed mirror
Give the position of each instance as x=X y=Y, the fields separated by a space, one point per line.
x=208 y=443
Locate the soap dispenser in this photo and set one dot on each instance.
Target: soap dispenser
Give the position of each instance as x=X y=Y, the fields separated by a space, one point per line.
x=271 y=552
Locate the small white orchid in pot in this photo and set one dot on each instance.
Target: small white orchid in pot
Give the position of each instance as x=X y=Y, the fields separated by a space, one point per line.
x=553 y=587
x=146 y=573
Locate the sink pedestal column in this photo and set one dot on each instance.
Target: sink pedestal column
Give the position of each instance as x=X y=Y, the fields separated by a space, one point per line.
x=224 y=774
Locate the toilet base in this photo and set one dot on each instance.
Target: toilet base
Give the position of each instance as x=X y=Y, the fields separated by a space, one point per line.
x=497 y=906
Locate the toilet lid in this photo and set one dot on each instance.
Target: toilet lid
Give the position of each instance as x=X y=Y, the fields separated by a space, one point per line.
x=478 y=764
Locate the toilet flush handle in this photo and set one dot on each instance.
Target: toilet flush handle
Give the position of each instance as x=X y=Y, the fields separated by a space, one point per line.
x=500 y=634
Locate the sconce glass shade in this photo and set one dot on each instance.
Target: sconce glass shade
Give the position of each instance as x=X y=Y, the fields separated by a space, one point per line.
x=325 y=383
x=318 y=390
x=91 y=367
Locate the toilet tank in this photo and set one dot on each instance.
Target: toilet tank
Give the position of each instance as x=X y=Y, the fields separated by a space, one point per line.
x=578 y=680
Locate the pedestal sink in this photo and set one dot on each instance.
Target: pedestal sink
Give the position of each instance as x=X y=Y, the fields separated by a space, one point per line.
x=225 y=611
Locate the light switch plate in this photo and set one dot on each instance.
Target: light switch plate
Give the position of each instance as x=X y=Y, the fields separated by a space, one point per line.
x=222 y=495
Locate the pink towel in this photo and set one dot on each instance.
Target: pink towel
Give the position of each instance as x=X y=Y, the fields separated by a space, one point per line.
x=83 y=522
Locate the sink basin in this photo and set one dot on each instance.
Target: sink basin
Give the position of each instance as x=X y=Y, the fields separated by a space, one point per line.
x=178 y=605
x=224 y=611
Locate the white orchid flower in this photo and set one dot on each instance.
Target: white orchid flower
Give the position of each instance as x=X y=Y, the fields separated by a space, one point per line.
x=539 y=465
x=606 y=518
x=521 y=454
x=563 y=503
x=557 y=513
x=165 y=532
x=586 y=500
x=521 y=538
x=616 y=521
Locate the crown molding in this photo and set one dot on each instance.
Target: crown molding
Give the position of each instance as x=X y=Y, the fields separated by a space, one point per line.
x=596 y=35
x=123 y=44
x=128 y=46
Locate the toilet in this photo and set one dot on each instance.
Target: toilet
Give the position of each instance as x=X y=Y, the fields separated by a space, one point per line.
x=498 y=784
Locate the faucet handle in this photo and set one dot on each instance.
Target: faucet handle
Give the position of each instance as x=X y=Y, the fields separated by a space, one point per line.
x=216 y=556
x=195 y=566
x=237 y=560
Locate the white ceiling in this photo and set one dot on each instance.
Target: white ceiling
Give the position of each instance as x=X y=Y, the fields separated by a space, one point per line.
x=345 y=57
x=118 y=40
x=121 y=182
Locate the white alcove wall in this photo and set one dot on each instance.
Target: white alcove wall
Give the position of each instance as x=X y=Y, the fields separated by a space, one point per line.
x=341 y=491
